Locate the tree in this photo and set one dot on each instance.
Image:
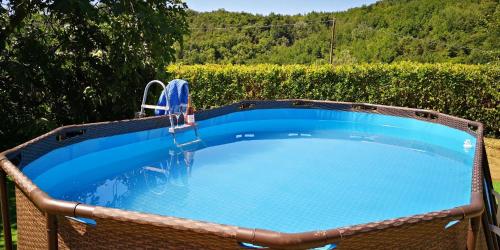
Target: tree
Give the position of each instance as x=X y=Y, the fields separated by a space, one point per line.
x=73 y=61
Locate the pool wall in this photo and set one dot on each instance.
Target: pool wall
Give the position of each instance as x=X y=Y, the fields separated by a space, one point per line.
x=44 y=222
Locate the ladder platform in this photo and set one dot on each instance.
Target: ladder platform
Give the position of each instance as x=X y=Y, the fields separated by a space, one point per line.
x=181 y=128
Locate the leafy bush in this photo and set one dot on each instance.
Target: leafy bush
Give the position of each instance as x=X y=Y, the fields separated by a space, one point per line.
x=468 y=91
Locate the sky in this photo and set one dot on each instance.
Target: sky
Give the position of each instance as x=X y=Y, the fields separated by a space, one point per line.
x=277 y=6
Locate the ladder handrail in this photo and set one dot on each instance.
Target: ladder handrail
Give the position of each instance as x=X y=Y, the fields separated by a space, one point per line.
x=146 y=90
x=145 y=96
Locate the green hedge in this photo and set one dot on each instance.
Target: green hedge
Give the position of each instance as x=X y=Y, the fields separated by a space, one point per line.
x=468 y=91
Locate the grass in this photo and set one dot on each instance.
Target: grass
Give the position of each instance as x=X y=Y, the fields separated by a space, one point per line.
x=492 y=150
x=496 y=186
x=12 y=213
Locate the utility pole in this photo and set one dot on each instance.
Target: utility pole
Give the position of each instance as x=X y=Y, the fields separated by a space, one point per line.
x=332 y=42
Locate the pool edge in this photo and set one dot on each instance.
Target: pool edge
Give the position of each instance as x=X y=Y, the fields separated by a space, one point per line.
x=54 y=207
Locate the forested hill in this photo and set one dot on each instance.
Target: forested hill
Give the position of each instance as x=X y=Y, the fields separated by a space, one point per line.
x=460 y=31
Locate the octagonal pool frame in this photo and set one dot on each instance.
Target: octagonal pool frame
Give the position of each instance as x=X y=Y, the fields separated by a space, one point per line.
x=44 y=222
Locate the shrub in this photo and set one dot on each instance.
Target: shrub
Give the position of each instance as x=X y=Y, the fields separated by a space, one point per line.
x=468 y=91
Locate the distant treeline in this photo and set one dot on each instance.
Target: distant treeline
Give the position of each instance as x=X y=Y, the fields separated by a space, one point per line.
x=458 y=31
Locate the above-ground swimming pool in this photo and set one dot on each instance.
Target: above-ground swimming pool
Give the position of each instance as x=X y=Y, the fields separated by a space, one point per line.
x=284 y=174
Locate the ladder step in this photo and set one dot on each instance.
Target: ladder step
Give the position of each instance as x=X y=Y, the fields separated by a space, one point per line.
x=154 y=169
x=147 y=106
x=181 y=128
x=189 y=143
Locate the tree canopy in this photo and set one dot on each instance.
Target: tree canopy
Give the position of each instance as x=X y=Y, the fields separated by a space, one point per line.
x=458 y=31
x=72 y=61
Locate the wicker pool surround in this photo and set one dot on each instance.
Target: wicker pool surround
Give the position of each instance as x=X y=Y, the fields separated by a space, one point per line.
x=47 y=223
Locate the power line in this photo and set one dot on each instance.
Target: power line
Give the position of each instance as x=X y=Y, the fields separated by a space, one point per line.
x=262 y=26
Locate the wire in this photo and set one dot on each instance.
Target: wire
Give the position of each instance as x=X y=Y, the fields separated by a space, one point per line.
x=262 y=26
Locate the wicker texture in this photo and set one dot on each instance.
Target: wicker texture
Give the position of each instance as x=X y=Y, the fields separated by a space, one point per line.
x=18 y=177
x=424 y=235
x=115 y=234
x=110 y=214
x=112 y=234
x=31 y=229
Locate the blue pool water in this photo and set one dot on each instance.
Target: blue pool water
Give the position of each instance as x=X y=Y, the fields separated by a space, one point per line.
x=288 y=170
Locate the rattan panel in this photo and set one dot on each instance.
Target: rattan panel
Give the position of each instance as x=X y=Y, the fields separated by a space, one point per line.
x=31 y=228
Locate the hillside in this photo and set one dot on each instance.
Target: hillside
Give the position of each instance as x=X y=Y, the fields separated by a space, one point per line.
x=460 y=31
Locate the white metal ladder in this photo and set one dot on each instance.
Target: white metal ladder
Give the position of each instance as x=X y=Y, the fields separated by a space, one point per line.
x=173 y=127
x=185 y=144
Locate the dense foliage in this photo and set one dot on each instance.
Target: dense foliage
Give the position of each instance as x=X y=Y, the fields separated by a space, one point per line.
x=72 y=61
x=468 y=91
x=460 y=31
